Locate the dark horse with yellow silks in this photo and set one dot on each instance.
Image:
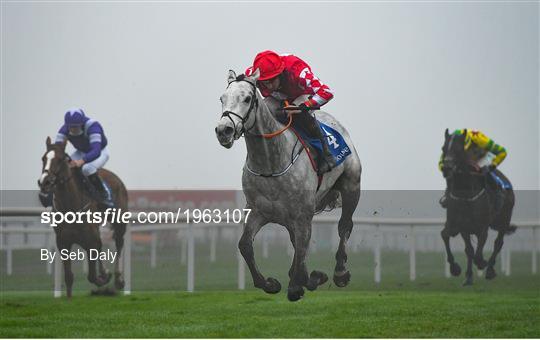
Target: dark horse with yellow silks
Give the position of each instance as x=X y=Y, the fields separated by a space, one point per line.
x=71 y=195
x=471 y=207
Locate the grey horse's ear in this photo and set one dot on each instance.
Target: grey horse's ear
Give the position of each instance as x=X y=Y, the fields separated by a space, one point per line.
x=255 y=75
x=48 y=141
x=231 y=76
x=446 y=134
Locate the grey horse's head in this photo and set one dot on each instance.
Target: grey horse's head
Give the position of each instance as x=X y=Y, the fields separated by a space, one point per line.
x=239 y=106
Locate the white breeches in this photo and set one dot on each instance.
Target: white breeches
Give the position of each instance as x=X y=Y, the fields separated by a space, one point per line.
x=93 y=166
x=486 y=160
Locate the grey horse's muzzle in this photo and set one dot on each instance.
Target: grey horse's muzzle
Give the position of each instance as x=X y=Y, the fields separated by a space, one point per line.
x=225 y=133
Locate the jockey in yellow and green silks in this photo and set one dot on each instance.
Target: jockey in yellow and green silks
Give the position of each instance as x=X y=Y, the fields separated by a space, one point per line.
x=483 y=150
x=487 y=155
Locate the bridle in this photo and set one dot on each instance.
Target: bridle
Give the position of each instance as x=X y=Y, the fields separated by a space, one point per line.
x=455 y=169
x=475 y=196
x=253 y=105
x=54 y=181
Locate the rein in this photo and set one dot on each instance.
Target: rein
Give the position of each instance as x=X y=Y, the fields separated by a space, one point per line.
x=279 y=132
x=460 y=170
x=473 y=198
x=62 y=180
x=254 y=105
x=468 y=199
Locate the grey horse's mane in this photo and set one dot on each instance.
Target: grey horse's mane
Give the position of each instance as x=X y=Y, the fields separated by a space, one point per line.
x=240 y=77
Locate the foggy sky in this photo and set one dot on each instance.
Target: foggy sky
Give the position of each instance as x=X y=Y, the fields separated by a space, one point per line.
x=152 y=74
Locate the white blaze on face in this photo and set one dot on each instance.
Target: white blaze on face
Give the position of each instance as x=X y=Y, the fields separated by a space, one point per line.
x=50 y=156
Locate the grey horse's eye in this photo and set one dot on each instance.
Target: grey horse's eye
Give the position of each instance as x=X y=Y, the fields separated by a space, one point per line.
x=248 y=98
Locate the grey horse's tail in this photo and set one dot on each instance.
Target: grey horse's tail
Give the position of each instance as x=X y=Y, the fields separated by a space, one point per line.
x=329 y=202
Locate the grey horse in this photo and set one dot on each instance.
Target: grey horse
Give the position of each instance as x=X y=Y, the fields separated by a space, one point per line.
x=281 y=186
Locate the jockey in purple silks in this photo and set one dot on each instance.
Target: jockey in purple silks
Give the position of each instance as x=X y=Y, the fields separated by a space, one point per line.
x=88 y=138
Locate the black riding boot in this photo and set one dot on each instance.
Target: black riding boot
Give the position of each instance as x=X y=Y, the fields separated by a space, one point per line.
x=326 y=161
x=103 y=194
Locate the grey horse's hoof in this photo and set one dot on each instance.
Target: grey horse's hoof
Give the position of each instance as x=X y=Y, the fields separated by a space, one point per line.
x=342 y=280
x=316 y=278
x=272 y=286
x=480 y=263
x=455 y=269
x=490 y=273
x=468 y=281
x=295 y=293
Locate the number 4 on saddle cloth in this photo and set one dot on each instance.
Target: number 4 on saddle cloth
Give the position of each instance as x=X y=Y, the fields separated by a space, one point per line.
x=336 y=143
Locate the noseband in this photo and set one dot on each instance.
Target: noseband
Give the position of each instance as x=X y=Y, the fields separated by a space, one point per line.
x=456 y=169
x=55 y=175
x=252 y=106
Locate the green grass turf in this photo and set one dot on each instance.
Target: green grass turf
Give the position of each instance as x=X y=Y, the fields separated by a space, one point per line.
x=431 y=306
x=466 y=313
x=29 y=273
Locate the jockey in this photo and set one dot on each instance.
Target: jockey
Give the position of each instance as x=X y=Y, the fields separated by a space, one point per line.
x=487 y=155
x=88 y=138
x=287 y=77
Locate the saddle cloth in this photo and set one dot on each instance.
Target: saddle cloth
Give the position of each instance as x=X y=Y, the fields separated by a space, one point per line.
x=505 y=185
x=336 y=143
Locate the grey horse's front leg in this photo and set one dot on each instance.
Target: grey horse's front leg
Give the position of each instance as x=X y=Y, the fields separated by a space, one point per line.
x=298 y=273
x=469 y=250
x=316 y=278
x=252 y=226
